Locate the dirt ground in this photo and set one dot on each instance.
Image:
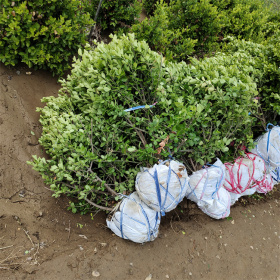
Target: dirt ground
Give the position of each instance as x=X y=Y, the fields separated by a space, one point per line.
x=40 y=239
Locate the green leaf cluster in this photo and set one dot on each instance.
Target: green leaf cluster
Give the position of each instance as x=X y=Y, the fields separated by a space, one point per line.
x=265 y=60
x=42 y=34
x=180 y=28
x=115 y=14
x=172 y=43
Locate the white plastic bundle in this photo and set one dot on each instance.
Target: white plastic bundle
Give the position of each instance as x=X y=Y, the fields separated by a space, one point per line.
x=205 y=188
x=245 y=173
x=219 y=208
x=275 y=174
x=266 y=185
x=134 y=220
x=267 y=147
x=163 y=186
x=235 y=196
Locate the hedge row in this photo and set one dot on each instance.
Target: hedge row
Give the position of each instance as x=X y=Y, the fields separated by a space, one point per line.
x=201 y=110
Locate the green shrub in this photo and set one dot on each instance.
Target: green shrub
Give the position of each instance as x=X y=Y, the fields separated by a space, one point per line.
x=201 y=21
x=115 y=13
x=151 y=5
x=96 y=148
x=42 y=34
x=243 y=18
x=265 y=59
x=196 y=28
x=173 y=44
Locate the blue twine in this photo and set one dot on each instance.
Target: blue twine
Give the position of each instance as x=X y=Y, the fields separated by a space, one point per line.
x=139 y=107
x=275 y=174
x=217 y=187
x=268 y=126
x=170 y=154
x=267 y=161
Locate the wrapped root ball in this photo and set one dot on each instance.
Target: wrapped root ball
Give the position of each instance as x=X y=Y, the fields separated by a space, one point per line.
x=235 y=196
x=266 y=185
x=244 y=173
x=163 y=186
x=134 y=220
x=219 y=208
x=275 y=174
x=267 y=147
x=205 y=183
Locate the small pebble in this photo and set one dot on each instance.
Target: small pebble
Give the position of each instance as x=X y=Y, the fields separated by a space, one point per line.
x=18 y=72
x=252 y=247
x=190 y=274
x=149 y=277
x=232 y=222
x=95 y=273
x=167 y=276
x=205 y=238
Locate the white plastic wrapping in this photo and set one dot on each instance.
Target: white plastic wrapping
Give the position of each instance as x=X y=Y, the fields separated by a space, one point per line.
x=245 y=173
x=267 y=147
x=205 y=188
x=235 y=196
x=266 y=185
x=134 y=220
x=219 y=208
x=275 y=174
x=163 y=186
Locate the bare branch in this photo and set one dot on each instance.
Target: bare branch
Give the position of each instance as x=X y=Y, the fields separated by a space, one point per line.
x=98 y=206
x=106 y=185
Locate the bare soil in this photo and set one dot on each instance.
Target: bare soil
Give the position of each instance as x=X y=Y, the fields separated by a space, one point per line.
x=40 y=239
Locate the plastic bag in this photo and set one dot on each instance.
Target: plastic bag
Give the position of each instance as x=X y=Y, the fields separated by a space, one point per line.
x=219 y=208
x=163 y=186
x=267 y=147
x=266 y=185
x=204 y=184
x=245 y=173
x=235 y=196
x=134 y=220
x=205 y=188
x=275 y=174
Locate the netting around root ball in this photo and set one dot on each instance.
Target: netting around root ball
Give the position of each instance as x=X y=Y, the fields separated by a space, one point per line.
x=267 y=147
x=246 y=172
x=266 y=185
x=205 y=189
x=163 y=186
x=205 y=183
x=134 y=220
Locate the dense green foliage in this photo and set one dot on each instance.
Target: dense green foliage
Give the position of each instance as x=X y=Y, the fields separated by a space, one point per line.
x=150 y=5
x=42 y=34
x=205 y=23
x=265 y=60
x=173 y=44
x=202 y=111
x=115 y=13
